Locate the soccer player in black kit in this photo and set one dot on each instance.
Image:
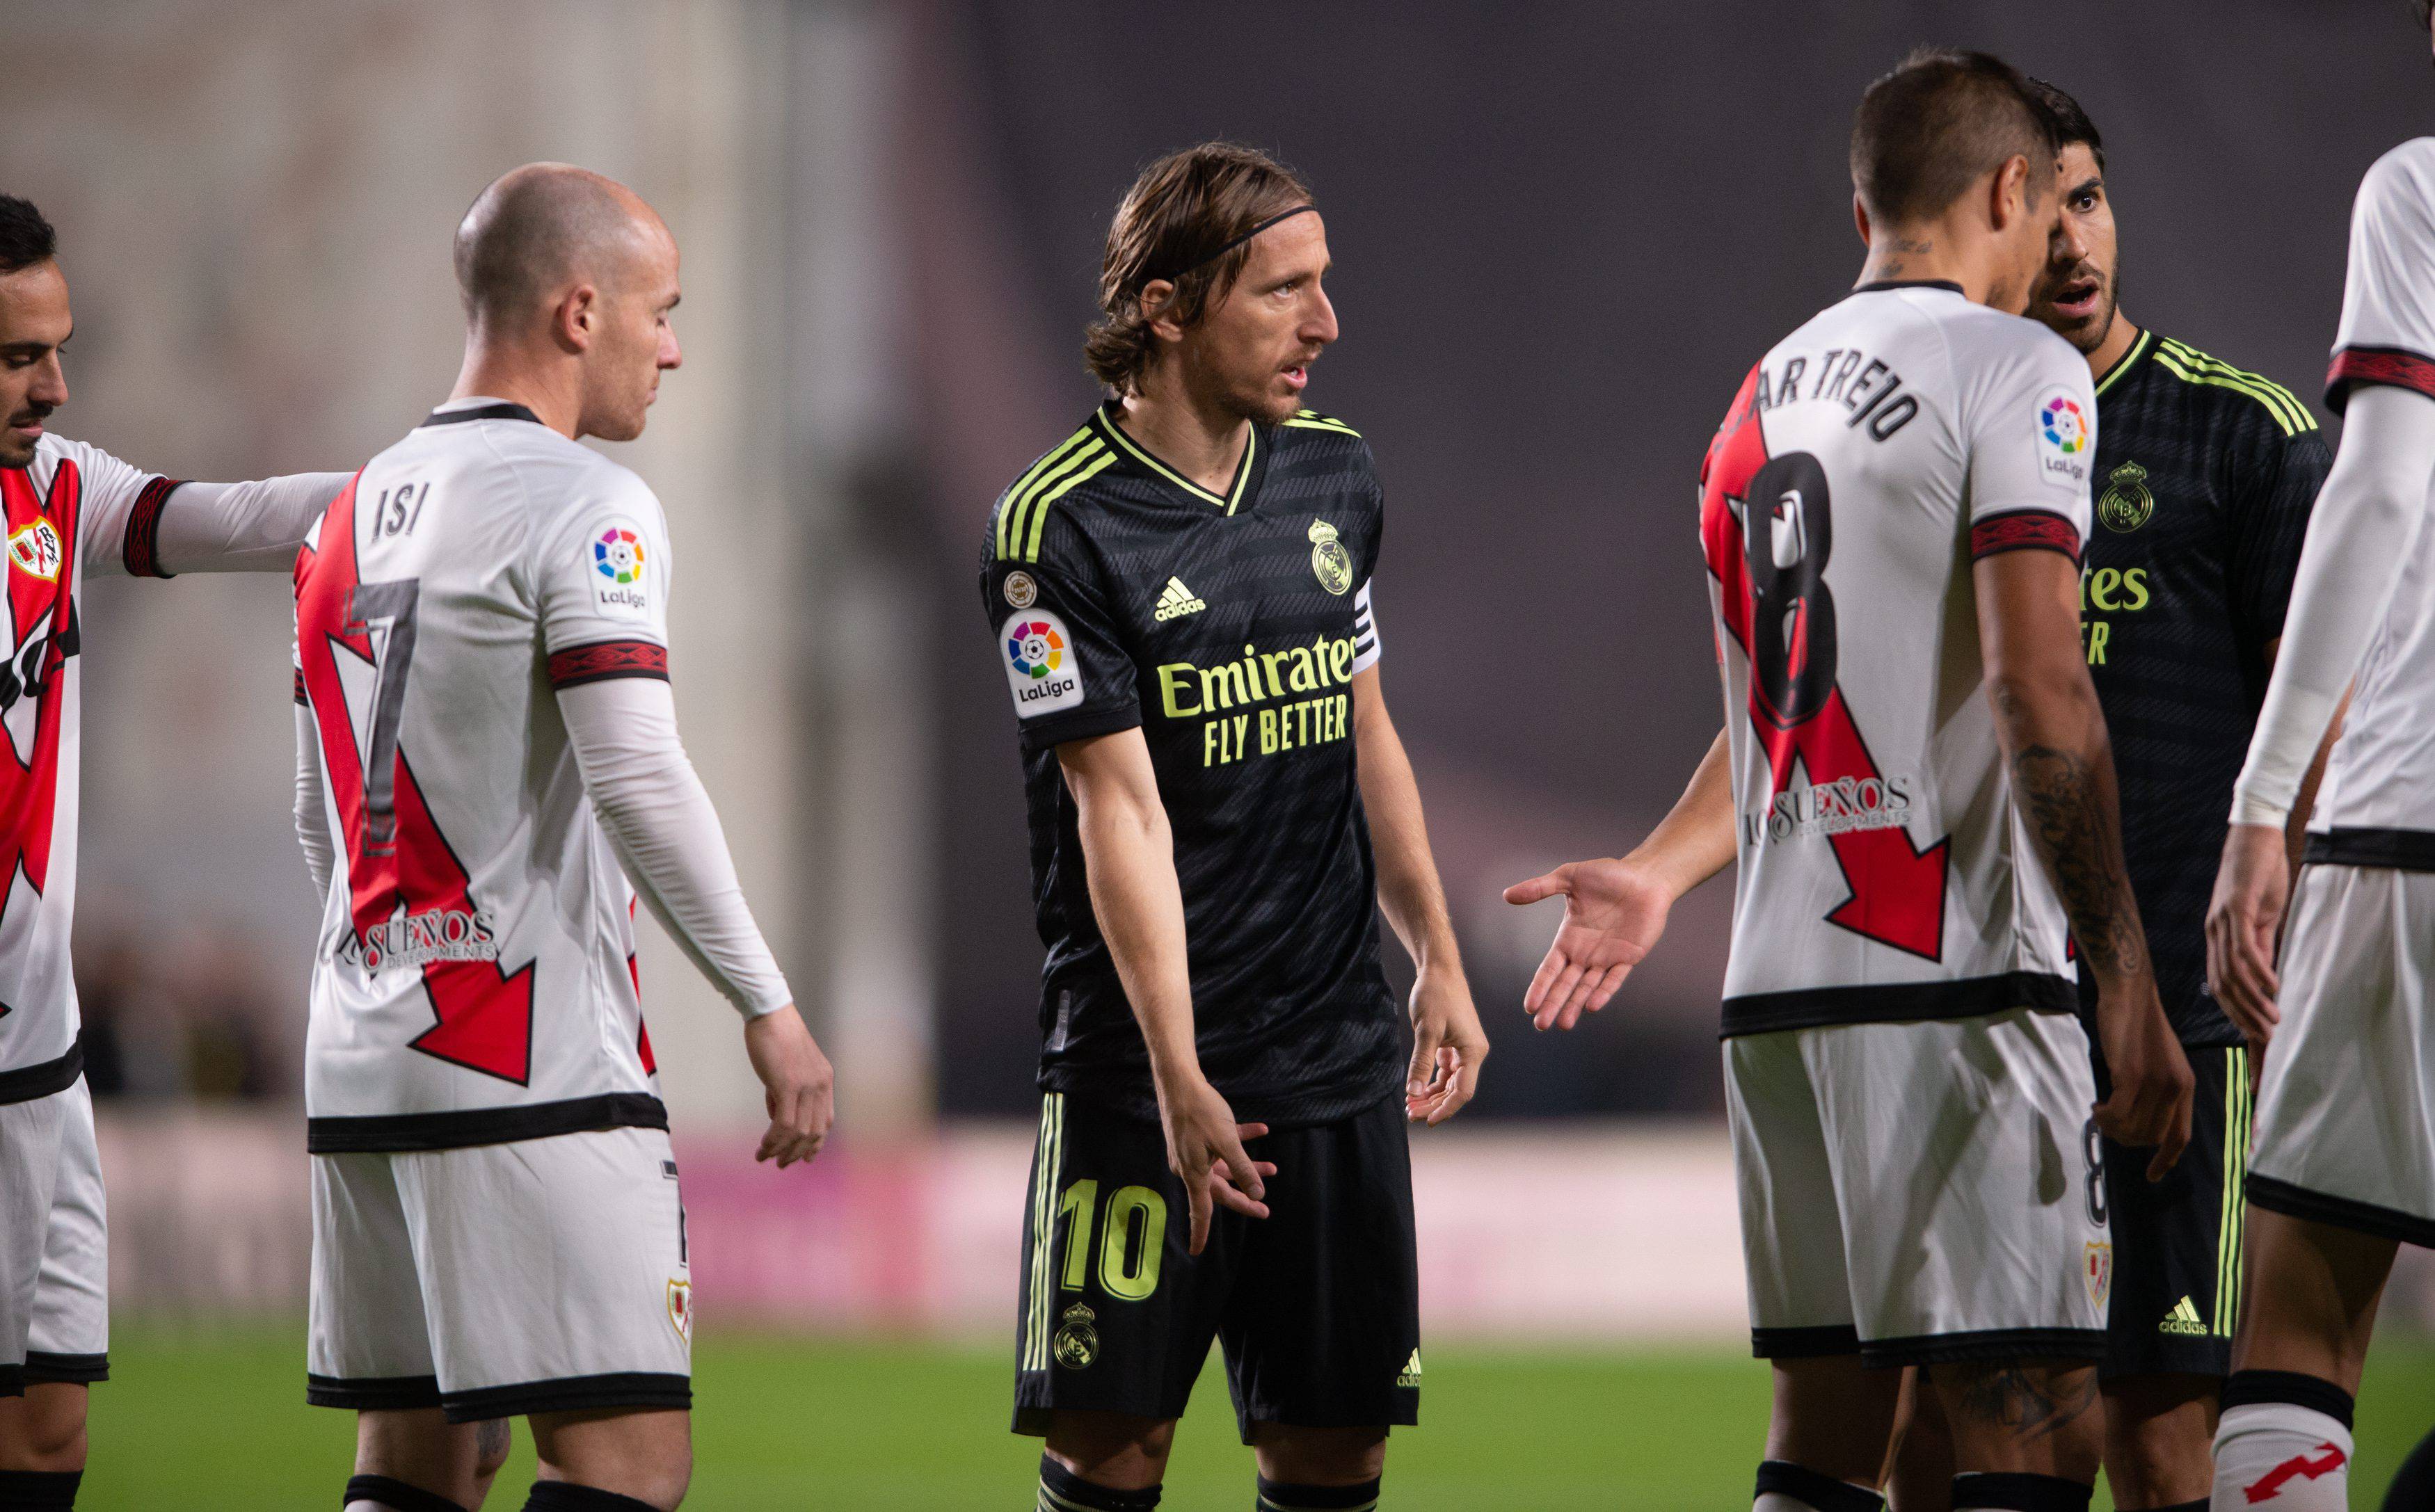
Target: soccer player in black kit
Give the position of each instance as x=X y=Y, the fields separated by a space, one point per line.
x=2204 y=478
x=1219 y=806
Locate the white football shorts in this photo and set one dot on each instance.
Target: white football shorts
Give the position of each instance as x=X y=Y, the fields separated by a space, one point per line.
x=2345 y=1131
x=1920 y=1192
x=546 y=1275
x=54 y=1243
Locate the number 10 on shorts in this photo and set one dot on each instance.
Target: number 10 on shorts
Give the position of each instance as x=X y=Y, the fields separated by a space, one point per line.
x=1133 y=1238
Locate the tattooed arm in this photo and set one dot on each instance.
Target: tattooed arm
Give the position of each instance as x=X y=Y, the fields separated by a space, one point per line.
x=2053 y=733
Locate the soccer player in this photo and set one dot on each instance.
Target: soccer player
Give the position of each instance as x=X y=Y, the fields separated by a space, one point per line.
x=2343 y=1165
x=1180 y=593
x=2206 y=475
x=487 y=753
x=1915 y=774
x=72 y=511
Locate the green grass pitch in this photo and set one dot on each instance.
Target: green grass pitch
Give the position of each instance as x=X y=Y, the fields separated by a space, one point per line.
x=216 y=1419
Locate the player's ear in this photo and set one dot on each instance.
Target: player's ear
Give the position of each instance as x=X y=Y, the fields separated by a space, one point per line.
x=2010 y=198
x=1860 y=216
x=1157 y=297
x=577 y=318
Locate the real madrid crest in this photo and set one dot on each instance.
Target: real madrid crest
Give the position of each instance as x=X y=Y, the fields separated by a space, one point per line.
x=1077 y=1342
x=1329 y=558
x=2126 y=504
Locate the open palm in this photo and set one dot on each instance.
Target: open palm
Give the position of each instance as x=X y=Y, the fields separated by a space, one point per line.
x=1613 y=914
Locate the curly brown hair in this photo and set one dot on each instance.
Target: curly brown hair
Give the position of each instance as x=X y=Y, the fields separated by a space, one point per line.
x=1178 y=225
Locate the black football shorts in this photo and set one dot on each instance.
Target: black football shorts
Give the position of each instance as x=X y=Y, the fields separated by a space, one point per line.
x=1317 y=1305
x=2176 y=1241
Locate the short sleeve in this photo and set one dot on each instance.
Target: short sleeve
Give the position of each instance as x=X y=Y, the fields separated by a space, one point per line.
x=1365 y=613
x=2033 y=436
x=118 y=514
x=2388 y=330
x=1060 y=644
x=2270 y=524
x=600 y=575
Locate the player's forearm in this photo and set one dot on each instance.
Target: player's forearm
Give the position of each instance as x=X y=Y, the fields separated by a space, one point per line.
x=2296 y=829
x=659 y=818
x=2360 y=538
x=1129 y=856
x=1695 y=840
x=312 y=819
x=2053 y=734
x=1410 y=893
x=238 y=527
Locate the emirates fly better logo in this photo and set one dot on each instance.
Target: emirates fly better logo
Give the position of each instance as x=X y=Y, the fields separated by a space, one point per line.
x=1041 y=665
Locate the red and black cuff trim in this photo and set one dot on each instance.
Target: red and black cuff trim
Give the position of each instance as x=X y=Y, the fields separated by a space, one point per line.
x=142 y=550
x=604 y=660
x=2396 y=367
x=300 y=685
x=2025 y=531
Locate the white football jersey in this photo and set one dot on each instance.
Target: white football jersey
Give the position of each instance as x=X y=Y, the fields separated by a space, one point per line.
x=2378 y=794
x=1867 y=461
x=75 y=511
x=475 y=978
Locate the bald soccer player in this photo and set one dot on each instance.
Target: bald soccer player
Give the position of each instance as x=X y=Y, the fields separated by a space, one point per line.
x=488 y=775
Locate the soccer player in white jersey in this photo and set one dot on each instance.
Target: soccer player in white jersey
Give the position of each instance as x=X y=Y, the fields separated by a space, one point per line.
x=2342 y=1167
x=73 y=511
x=489 y=754
x=1915 y=773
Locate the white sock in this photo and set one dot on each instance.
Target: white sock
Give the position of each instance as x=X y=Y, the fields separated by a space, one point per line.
x=2278 y=1456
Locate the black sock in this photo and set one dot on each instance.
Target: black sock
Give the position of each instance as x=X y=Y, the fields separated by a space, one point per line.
x=2200 y=1505
x=38 y=1490
x=565 y=1496
x=1813 y=1489
x=396 y=1495
x=1061 y=1490
x=2018 y=1492
x=2414 y=1485
x=1276 y=1496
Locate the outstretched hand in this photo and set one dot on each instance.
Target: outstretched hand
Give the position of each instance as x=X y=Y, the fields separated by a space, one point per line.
x=1204 y=1149
x=1614 y=911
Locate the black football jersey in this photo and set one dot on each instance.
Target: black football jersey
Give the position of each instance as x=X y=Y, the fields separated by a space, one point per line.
x=1227 y=628
x=2206 y=476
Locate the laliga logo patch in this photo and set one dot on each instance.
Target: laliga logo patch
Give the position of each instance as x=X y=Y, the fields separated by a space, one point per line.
x=36 y=551
x=1041 y=666
x=617 y=561
x=2064 y=437
x=681 y=1308
x=1328 y=559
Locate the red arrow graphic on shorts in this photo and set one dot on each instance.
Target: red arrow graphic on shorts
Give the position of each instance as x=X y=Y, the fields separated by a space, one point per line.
x=2269 y=1485
x=1897 y=889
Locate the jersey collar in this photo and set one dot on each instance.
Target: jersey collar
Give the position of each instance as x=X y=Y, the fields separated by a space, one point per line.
x=1876 y=284
x=2124 y=363
x=1232 y=499
x=492 y=409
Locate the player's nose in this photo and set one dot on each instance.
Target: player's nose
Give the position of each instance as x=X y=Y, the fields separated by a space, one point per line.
x=1320 y=325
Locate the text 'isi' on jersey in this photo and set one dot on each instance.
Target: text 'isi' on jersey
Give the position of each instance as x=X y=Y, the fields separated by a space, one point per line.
x=475 y=980
x=1867 y=461
x=1227 y=628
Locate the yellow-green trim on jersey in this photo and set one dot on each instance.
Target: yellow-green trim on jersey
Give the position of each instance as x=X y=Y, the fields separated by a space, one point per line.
x=1311 y=420
x=2124 y=363
x=1023 y=511
x=2192 y=366
x=1228 y=501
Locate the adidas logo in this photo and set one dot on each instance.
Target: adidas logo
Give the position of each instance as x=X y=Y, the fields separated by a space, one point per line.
x=1412 y=1376
x=2184 y=1319
x=1175 y=601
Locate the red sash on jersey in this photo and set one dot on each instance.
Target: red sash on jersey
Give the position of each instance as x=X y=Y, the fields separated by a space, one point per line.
x=483 y=1013
x=1897 y=889
x=43 y=611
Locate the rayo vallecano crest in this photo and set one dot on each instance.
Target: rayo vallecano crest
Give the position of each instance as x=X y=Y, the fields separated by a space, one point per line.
x=2098 y=1272
x=1329 y=558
